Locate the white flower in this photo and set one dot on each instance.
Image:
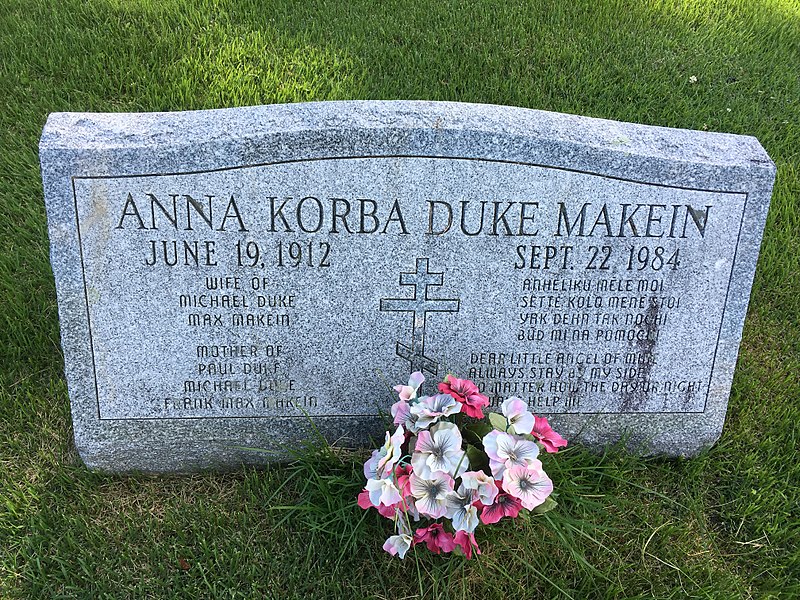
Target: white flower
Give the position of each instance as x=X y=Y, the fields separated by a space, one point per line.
x=439 y=451
x=530 y=486
x=383 y=491
x=520 y=420
x=467 y=520
x=409 y=392
x=398 y=545
x=461 y=510
x=430 y=409
x=431 y=494
x=401 y=415
x=371 y=466
x=384 y=459
x=505 y=451
x=693 y=79
x=484 y=486
x=391 y=452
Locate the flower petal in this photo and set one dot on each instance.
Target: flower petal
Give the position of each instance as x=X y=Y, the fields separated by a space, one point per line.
x=416 y=379
x=398 y=545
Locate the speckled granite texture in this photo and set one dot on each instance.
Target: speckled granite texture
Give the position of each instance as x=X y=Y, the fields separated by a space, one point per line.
x=225 y=278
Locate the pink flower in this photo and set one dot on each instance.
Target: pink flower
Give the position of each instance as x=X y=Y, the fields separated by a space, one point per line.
x=401 y=414
x=545 y=434
x=409 y=392
x=439 y=451
x=467 y=394
x=520 y=420
x=505 y=450
x=505 y=505
x=402 y=475
x=483 y=485
x=530 y=486
x=435 y=537
x=388 y=512
x=429 y=409
x=466 y=541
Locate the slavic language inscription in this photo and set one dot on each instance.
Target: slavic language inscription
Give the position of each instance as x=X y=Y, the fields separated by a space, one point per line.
x=267 y=286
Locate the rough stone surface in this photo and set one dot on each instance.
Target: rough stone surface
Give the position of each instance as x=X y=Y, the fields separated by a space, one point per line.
x=225 y=278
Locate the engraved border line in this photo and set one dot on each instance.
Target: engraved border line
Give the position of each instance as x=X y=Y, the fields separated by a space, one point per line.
x=383 y=156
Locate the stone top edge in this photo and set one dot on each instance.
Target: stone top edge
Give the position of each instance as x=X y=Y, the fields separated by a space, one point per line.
x=108 y=131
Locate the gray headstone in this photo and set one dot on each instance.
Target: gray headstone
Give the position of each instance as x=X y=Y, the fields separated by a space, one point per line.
x=247 y=277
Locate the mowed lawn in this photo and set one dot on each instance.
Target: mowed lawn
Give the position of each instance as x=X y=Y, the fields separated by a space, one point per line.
x=721 y=525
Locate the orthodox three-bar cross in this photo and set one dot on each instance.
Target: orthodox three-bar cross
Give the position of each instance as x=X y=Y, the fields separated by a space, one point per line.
x=419 y=305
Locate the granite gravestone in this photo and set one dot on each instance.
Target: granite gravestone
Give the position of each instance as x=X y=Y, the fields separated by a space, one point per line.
x=243 y=277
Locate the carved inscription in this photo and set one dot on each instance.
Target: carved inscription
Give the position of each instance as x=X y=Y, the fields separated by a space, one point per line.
x=419 y=305
x=289 y=290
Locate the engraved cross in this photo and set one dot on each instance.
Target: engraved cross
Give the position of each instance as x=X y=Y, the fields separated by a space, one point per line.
x=420 y=304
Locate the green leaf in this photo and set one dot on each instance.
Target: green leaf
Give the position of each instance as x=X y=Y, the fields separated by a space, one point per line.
x=498 y=421
x=546 y=506
x=470 y=436
x=478 y=460
x=480 y=429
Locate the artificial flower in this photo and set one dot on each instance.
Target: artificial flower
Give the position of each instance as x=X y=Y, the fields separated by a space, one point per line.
x=401 y=475
x=466 y=541
x=430 y=409
x=409 y=392
x=545 y=434
x=383 y=491
x=439 y=451
x=435 y=537
x=431 y=494
x=398 y=545
x=483 y=485
x=383 y=460
x=466 y=393
x=505 y=505
x=520 y=420
x=530 y=486
x=389 y=512
x=391 y=451
x=505 y=451
x=461 y=509
x=434 y=483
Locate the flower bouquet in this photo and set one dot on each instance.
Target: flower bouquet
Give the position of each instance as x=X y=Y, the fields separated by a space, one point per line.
x=448 y=468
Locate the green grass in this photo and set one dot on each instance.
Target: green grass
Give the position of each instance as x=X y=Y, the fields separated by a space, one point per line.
x=721 y=525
